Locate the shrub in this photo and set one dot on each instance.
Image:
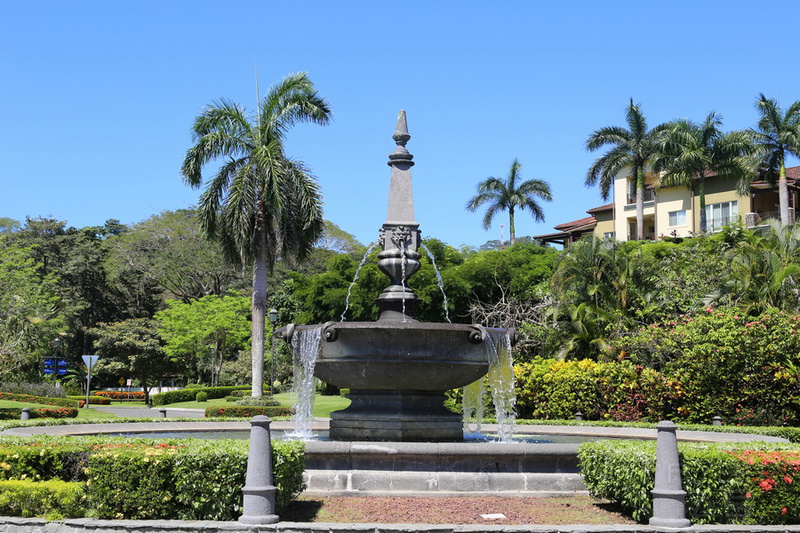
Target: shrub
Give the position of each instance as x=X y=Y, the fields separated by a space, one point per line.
x=96 y=400
x=121 y=396
x=54 y=499
x=45 y=390
x=244 y=411
x=727 y=482
x=550 y=389
x=728 y=363
x=188 y=395
x=258 y=401
x=15 y=413
x=59 y=402
x=140 y=478
x=201 y=396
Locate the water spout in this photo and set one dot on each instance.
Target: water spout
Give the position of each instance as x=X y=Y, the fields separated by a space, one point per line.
x=305 y=347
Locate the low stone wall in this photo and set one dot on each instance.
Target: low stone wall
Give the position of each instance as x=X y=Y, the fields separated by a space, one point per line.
x=87 y=525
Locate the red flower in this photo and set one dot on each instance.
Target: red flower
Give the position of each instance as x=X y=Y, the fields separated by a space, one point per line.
x=783 y=510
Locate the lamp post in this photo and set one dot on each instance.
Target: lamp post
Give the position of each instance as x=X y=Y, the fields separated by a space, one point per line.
x=273 y=319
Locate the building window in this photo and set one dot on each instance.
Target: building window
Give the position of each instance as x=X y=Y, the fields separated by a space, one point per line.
x=609 y=235
x=677 y=218
x=721 y=214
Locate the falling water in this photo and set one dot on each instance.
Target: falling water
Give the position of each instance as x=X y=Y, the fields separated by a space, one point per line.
x=355 y=278
x=305 y=347
x=439 y=280
x=472 y=403
x=500 y=380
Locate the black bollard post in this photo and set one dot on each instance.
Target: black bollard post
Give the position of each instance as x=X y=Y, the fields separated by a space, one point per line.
x=163 y=412
x=669 y=498
x=259 y=488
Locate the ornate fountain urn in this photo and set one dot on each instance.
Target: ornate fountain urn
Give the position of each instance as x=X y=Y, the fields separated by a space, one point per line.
x=397 y=368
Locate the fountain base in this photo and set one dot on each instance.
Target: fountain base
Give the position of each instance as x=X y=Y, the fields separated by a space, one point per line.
x=400 y=416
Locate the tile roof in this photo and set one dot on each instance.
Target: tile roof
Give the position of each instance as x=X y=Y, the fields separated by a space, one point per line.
x=566 y=226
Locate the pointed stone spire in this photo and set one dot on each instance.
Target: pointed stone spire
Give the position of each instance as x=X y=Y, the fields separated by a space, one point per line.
x=401 y=198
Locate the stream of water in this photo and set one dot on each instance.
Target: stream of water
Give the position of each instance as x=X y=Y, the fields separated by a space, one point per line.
x=305 y=347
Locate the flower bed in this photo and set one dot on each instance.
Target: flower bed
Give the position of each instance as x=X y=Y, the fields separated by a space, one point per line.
x=121 y=396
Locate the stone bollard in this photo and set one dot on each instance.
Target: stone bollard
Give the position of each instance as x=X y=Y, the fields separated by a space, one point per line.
x=163 y=412
x=669 y=498
x=26 y=413
x=259 y=488
x=716 y=421
x=578 y=416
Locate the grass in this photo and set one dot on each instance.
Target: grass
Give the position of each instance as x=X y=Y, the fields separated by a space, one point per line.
x=323 y=405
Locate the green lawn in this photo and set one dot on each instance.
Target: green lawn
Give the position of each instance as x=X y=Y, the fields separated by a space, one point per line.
x=323 y=405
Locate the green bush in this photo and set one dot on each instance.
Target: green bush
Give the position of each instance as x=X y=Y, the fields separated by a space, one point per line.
x=550 y=389
x=27 y=398
x=726 y=482
x=197 y=481
x=141 y=478
x=727 y=363
x=201 y=396
x=244 y=411
x=94 y=400
x=54 y=499
x=189 y=395
x=15 y=413
x=258 y=401
x=195 y=386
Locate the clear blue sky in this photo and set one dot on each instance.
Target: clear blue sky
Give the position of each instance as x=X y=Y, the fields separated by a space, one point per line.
x=97 y=97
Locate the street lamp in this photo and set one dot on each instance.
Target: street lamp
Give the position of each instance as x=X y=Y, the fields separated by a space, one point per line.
x=273 y=319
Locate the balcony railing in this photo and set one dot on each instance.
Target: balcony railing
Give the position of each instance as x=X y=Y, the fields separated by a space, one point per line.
x=649 y=196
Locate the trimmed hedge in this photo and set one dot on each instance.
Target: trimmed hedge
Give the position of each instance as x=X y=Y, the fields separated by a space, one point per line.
x=96 y=400
x=151 y=479
x=15 y=413
x=53 y=500
x=59 y=402
x=248 y=411
x=121 y=396
x=749 y=483
x=188 y=395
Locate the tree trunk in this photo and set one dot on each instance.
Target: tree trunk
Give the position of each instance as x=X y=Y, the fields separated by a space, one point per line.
x=259 y=309
x=512 y=231
x=701 y=192
x=639 y=204
x=783 y=196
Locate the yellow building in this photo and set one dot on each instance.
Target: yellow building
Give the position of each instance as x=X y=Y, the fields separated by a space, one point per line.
x=675 y=211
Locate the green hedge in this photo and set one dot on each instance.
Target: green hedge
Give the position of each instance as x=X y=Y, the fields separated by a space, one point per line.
x=93 y=400
x=248 y=411
x=15 y=413
x=189 y=395
x=143 y=478
x=748 y=483
x=53 y=499
x=27 y=398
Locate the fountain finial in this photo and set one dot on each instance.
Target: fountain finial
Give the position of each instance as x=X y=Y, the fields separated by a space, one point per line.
x=401 y=137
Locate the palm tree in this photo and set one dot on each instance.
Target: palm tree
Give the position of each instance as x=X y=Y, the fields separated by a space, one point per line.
x=509 y=195
x=777 y=136
x=260 y=205
x=692 y=151
x=632 y=148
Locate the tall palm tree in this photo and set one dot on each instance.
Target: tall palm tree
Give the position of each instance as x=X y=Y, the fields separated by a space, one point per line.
x=691 y=151
x=777 y=136
x=631 y=148
x=260 y=205
x=509 y=195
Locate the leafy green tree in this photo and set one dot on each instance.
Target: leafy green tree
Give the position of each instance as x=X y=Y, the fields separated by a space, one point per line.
x=510 y=194
x=631 y=148
x=691 y=151
x=132 y=348
x=201 y=334
x=29 y=313
x=169 y=251
x=260 y=204
x=777 y=137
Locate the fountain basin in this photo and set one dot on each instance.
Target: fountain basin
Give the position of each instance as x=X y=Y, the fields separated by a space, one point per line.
x=398 y=373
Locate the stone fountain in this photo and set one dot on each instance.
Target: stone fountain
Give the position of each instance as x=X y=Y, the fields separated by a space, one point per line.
x=398 y=368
